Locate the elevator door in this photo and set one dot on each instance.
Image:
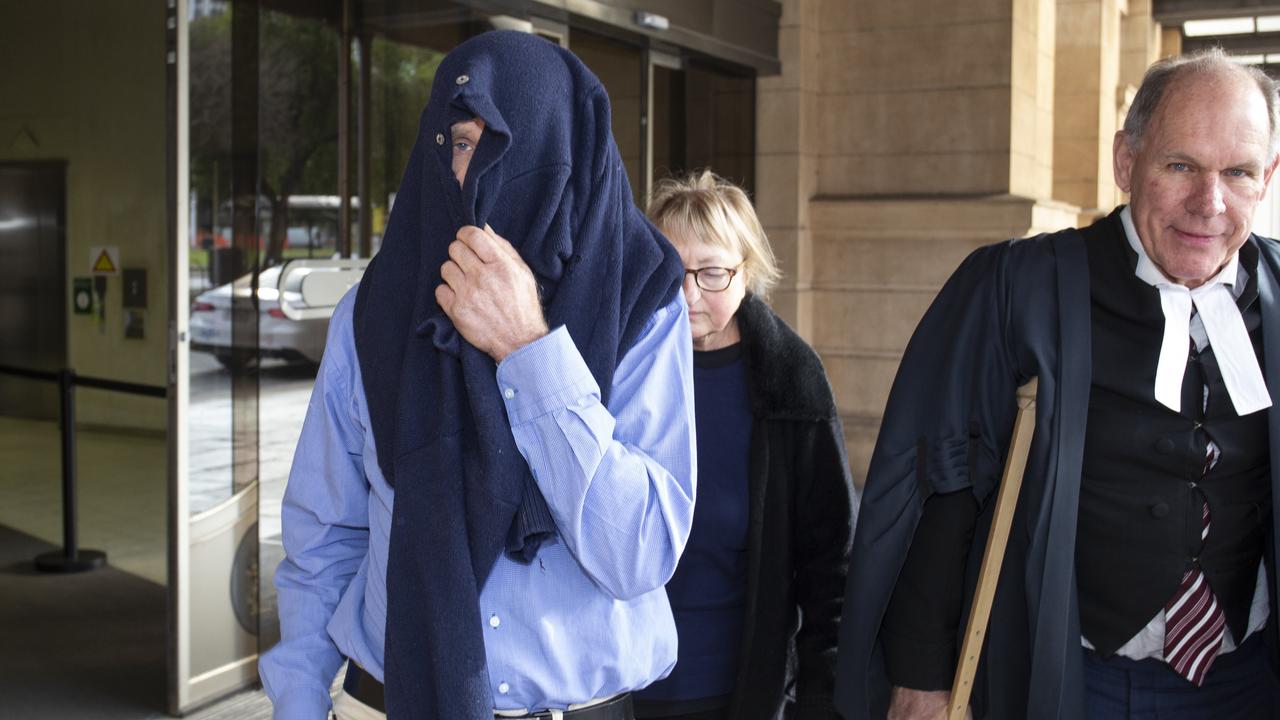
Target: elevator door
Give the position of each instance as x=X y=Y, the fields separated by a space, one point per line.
x=33 y=323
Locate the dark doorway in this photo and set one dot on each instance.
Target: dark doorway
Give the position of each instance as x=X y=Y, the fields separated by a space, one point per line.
x=704 y=117
x=33 y=298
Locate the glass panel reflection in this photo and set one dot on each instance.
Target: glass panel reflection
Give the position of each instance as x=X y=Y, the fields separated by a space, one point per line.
x=213 y=259
x=619 y=68
x=299 y=184
x=299 y=209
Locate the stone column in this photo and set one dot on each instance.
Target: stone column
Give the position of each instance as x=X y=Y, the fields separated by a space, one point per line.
x=901 y=135
x=787 y=144
x=1140 y=41
x=1086 y=85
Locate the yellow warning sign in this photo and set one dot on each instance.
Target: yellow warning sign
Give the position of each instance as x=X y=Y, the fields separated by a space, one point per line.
x=105 y=260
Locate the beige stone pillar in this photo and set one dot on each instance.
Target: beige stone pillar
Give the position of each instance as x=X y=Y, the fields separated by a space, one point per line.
x=1085 y=91
x=1140 y=41
x=901 y=135
x=1170 y=41
x=1031 y=99
x=787 y=143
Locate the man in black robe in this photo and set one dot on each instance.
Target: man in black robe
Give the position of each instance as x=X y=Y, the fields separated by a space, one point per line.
x=1139 y=579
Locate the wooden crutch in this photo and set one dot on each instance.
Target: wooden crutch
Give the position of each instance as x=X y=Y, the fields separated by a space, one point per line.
x=993 y=556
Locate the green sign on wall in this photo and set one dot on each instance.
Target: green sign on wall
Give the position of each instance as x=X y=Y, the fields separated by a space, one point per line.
x=82 y=295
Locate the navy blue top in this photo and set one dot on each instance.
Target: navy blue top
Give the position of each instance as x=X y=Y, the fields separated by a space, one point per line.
x=708 y=592
x=547 y=175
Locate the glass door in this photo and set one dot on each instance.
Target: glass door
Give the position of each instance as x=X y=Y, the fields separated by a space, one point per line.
x=262 y=257
x=214 y=333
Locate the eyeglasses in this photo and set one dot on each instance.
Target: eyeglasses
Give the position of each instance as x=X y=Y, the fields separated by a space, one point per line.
x=713 y=279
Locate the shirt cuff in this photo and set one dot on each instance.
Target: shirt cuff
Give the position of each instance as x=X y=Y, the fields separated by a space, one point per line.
x=546 y=375
x=302 y=704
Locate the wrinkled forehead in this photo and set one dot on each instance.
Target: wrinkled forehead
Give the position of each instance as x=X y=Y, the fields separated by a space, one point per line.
x=1216 y=100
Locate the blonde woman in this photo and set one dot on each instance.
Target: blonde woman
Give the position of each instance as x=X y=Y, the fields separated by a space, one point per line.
x=758 y=591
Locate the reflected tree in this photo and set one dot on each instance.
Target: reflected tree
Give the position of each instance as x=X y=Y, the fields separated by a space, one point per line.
x=297 y=117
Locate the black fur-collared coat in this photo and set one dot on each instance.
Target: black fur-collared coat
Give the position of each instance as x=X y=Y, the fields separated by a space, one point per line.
x=802 y=511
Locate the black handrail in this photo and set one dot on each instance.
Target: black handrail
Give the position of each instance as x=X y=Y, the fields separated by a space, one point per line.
x=72 y=558
x=86 y=381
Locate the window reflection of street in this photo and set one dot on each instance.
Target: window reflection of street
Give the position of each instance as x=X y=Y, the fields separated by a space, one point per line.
x=284 y=390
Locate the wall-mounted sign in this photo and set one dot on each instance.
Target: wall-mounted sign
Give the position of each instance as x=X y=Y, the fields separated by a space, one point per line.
x=82 y=295
x=104 y=260
x=135 y=288
x=135 y=324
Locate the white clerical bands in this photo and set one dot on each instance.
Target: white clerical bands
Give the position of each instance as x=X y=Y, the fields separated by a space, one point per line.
x=1223 y=323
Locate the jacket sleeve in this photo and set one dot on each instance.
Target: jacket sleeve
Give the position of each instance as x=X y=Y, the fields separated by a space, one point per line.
x=825 y=510
x=923 y=619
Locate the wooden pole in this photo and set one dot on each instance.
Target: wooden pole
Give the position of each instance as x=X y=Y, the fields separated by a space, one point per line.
x=993 y=556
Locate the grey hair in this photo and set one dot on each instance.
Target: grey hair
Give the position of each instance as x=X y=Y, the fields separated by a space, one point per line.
x=1212 y=60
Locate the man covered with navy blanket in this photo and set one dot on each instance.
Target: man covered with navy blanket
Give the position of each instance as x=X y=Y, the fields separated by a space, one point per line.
x=496 y=476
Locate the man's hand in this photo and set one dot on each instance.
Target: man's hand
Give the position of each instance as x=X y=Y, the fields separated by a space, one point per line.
x=908 y=704
x=489 y=293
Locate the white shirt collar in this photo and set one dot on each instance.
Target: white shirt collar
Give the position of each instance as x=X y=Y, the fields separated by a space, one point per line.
x=1218 y=320
x=1152 y=275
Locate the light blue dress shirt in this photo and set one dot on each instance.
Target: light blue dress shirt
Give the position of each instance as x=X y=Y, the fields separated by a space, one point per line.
x=589 y=617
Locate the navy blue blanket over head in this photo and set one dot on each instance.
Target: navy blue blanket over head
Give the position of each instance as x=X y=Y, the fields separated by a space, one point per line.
x=547 y=176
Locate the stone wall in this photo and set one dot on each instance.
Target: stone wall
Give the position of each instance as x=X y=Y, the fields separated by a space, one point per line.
x=902 y=134
x=86 y=87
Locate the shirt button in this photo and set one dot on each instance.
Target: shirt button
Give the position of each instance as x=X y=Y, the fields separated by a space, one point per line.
x=494 y=621
x=462 y=80
x=504 y=688
x=509 y=393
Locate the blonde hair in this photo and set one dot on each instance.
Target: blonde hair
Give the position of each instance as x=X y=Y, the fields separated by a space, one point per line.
x=705 y=206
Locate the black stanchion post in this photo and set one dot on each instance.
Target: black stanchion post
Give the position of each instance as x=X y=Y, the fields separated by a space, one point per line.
x=71 y=558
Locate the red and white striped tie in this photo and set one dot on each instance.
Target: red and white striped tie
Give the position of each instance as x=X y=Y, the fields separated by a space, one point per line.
x=1194 y=622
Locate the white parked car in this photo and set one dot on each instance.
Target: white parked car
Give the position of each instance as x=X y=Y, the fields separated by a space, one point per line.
x=279 y=336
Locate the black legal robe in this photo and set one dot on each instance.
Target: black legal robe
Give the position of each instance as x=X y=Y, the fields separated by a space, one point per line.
x=1012 y=311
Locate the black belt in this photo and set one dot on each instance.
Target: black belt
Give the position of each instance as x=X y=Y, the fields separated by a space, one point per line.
x=364 y=687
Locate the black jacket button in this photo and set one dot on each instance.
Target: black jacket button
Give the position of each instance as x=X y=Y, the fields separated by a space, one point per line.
x=1164 y=446
x=1159 y=510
